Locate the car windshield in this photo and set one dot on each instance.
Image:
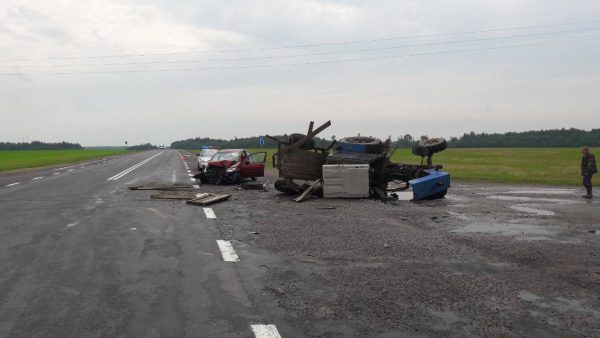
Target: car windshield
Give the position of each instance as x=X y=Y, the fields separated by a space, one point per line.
x=231 y=156
x=208 y=152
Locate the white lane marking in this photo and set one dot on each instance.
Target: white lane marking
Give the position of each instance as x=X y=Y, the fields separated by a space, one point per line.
x=71 y=166
x=227 y=251
x=70 y=169
x=265 y=331
x=37 y=178
x=193 y=179
x=56 y=174
x=209 y=213
x=130 y=169
x=72 y=224
x=189 y=171
x=535 y=211
x=190 y=175
x=10 y=185
x=196 y=186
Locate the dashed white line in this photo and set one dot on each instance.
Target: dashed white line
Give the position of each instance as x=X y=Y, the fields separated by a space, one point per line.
x=56 y=174
x=71 y=166
x=37 y=178
x=190 y=175
x=193 y=179
x=265 y=331
x=70 y=169
x=209 y=213
x=227 y=251
x=196 y=186
x=10 y=185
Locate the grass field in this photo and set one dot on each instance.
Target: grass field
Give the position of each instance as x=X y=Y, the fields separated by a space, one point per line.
x=549 y=166
x=21 y=159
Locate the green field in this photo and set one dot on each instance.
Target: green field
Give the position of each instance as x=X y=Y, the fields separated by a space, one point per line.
x=550 y=166
x=21 y=159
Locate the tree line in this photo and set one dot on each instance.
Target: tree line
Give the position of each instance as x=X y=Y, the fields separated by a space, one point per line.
x=535 y=138
x=245 y=142
x=38 y=145
x=531 y=139
x=146 y=146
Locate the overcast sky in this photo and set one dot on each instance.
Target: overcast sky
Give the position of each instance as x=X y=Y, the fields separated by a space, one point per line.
x=159 y=71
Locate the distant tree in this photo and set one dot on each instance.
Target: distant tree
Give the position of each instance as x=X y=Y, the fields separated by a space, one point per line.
x=146 y=146
x=38 y=145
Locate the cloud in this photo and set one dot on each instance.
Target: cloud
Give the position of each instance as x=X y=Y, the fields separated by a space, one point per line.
x=446 y=94
x=31 y=29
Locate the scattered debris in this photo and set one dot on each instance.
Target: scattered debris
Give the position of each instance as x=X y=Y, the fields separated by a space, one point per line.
x=597 y=232
x=253 y=186
x=174 y=195
x=327 y=208
x=206 y=199
x=307 y=191
x=387 y=245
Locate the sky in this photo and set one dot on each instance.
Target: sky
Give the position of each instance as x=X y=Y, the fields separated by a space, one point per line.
x=102 y=72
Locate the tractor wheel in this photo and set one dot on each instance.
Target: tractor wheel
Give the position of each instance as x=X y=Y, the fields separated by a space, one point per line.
x=429 y=147
x=287 y=187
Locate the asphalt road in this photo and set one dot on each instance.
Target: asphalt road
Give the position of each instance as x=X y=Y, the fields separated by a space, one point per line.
x=82 y=256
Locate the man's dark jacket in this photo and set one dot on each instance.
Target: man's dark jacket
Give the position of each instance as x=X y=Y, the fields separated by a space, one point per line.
x=588 y=165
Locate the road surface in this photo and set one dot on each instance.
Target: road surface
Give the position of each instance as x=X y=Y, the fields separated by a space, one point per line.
x=81 y=256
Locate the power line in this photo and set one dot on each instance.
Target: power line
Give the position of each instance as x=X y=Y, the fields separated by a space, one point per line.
x=312 y=54
x=306 y=45
x=305 y=63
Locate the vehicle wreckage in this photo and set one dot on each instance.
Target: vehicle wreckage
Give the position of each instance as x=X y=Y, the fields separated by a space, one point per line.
x=356 y=167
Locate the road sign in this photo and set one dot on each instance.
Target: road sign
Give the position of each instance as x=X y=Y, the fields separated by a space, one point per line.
x=261 y=141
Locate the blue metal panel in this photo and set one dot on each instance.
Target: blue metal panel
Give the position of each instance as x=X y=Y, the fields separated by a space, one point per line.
x=436 y=182
x=352 y=147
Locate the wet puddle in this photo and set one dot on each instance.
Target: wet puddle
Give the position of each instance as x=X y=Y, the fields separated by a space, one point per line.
x=542 y=191
x=533 y=199
x=526 y=231
x=534 y=211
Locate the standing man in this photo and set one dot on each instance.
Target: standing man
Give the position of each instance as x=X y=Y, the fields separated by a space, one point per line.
x=588 y=168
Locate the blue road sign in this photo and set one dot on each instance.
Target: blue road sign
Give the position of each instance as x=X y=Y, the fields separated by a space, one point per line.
x=261 y=141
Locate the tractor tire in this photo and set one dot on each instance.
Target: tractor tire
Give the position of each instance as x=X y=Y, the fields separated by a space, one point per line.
x=372 y=145
x=287 y=187
x=297 y=137
x=429 y=147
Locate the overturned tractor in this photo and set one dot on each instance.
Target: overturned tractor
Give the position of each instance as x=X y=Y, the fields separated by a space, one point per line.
x=298 y=158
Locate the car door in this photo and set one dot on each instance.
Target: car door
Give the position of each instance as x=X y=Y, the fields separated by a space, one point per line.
x=254 y=165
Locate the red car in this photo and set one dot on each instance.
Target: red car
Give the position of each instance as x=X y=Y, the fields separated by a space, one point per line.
x=233 y=165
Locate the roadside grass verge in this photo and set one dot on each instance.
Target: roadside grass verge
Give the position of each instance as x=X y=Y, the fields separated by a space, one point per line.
x=22 y=159
x=549 y=166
